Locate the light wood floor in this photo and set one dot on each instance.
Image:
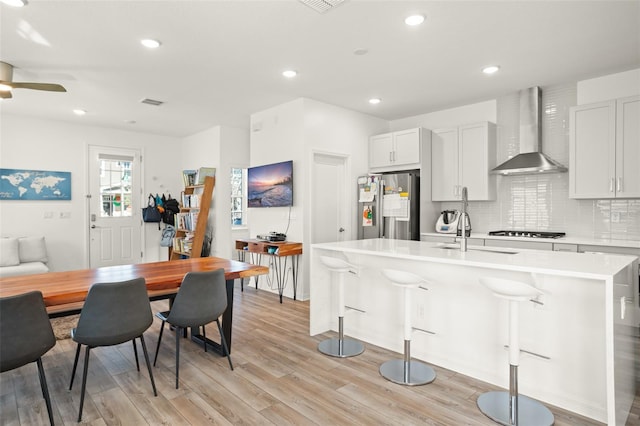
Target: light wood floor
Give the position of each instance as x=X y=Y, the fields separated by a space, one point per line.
x=280 y=378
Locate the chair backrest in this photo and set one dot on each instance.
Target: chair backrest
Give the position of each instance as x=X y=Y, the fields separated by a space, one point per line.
x=114 y=313
x=25 y=330
x=201 y=299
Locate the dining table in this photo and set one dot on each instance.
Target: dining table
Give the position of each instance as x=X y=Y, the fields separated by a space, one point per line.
x=64 y=292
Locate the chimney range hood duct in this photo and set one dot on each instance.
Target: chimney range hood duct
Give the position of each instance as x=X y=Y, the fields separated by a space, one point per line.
x=531 y=160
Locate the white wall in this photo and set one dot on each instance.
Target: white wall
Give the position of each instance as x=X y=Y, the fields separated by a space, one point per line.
x=234 y=152
x=292 y=131
x=609 y=87
x=31 y=143
x=465 y=114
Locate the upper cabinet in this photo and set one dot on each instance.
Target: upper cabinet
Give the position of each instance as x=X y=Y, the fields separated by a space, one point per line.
x=605 y=149
x=394 y=151
x=463 y=156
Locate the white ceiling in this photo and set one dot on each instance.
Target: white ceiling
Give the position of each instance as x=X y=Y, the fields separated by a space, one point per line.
x=221 y=61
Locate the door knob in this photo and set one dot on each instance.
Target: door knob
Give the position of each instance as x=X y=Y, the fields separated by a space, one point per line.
x=341 y=229
x=93 y=226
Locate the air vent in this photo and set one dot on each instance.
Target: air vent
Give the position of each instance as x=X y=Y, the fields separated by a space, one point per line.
x=321 y=6
x=151 y=102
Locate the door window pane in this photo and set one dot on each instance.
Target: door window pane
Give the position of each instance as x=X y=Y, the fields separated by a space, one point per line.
x=115 y=188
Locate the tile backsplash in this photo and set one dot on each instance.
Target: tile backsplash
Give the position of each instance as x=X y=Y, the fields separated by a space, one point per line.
x=541 y=202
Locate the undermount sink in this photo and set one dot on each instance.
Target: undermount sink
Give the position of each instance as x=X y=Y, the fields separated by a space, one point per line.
x=490 y=250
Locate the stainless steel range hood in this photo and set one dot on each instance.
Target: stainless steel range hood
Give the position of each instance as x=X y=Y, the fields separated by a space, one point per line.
x=530 y=160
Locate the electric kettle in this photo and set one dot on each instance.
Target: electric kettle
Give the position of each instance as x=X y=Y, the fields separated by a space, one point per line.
x=447 y=222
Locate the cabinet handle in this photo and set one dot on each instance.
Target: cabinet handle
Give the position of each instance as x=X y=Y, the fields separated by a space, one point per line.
x=611 y=184
x=619 y=184
x=391 y=156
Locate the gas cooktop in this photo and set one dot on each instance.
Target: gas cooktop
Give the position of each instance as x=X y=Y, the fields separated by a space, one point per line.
x=527 y=234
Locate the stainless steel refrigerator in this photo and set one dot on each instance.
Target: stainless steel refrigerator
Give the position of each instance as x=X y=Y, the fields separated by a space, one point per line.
x=389 y=206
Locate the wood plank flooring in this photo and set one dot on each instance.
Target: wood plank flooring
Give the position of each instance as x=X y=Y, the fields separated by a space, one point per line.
x=280 y=378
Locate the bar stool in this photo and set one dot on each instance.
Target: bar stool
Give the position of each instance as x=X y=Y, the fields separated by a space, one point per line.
x=339 y=347
x=404 y=371
x=510 y=408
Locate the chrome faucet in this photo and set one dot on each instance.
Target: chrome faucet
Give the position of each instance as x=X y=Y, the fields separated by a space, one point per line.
x=462 y=224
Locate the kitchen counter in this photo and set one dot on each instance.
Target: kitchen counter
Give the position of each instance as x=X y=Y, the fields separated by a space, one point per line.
x=583 y=326
x=608 y=242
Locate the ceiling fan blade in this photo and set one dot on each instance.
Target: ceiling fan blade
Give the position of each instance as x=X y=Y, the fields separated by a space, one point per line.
x=50 y=87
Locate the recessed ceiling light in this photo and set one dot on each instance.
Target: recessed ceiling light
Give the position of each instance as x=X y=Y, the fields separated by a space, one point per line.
x=130 y=121
x=360 y=51
x=375 y=101
x=79 y=112
x=289 y=73
x=414 y=20
x=15 y=3
x=492 y=69
x=150 y=43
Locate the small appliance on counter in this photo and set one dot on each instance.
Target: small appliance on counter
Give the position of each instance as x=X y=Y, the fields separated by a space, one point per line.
x=447 y=222
x=272 y=237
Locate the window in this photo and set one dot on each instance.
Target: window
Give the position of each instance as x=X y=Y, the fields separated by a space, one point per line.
x=115 y=187
x=237 y=197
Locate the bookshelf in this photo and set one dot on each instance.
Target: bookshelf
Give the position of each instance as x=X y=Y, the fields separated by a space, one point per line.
x=191 y=221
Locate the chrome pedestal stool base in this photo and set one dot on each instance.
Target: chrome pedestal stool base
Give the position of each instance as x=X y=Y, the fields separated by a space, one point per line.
x=495 y=405
x=412 y=373
x=341 y=348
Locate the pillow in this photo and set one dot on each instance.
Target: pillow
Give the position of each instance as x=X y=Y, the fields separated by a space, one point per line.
x=32 y=249
x=9 y=252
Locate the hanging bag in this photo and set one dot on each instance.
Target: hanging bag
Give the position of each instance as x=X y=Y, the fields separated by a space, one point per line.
x=151 y=213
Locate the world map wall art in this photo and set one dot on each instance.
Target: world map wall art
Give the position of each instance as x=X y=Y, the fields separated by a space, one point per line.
x=20 y=184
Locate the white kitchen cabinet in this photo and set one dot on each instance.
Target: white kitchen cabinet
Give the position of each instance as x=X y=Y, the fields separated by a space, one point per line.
x=605 y=149
x=401 y=150
x=463 y=156
x=570 y=248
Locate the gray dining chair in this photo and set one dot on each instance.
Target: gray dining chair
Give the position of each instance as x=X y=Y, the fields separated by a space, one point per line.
x=201 y=299
x=26 y=335
x=113 y=313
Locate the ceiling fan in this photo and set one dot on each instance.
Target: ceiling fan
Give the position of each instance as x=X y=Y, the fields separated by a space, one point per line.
x=7 y=83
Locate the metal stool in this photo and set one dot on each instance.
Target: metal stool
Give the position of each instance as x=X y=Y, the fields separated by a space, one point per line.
x=510 y=408
x=339 y=347
x=404 y=371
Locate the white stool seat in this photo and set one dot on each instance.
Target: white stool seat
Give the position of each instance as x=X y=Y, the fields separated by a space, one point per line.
x=510 y=408
x=403 y=278
x=405 y=371
x=335 y=264
x=340 y=347
x=510 y=289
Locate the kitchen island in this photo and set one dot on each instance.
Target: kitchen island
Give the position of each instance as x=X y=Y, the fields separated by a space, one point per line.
x=579 y=333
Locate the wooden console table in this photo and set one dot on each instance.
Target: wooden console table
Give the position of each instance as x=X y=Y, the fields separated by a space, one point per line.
x=280 y=251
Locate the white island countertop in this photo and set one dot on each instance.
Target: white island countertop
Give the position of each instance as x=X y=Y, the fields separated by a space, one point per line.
x=581 y=327
x=580 y=265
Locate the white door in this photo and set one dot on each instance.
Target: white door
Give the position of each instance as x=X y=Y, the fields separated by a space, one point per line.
x=330 y=210
x=114 y=206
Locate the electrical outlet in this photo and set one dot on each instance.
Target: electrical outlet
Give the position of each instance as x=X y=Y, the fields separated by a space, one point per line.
x=65 y=215
x=48 y=215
